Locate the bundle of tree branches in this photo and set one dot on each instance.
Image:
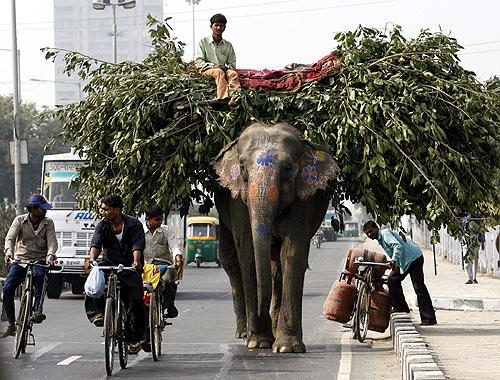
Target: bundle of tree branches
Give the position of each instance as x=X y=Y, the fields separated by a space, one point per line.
x=412 y=130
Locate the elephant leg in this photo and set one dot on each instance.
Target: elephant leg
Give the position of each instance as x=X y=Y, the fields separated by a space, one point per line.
x=229 y=261
x=277 y=284
x=288 y=334
x=259 y=330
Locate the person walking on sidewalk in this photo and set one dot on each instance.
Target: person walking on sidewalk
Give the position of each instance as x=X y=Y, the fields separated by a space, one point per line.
x=473 y=240
x=32 y=237
x=406 y=258
x=215 y=57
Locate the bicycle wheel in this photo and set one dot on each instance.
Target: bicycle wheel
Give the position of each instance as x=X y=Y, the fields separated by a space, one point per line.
x=363 y=312
x=109 y=335
x=155 y=326
x=22 y=324
x=120 y=336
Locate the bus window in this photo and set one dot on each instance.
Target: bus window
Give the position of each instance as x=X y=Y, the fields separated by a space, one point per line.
x=57 y=176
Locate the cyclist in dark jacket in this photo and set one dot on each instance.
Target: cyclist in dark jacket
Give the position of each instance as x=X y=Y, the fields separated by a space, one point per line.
x=120 y=238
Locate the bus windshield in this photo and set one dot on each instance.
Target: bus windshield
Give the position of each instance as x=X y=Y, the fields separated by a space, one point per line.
x=57 y=176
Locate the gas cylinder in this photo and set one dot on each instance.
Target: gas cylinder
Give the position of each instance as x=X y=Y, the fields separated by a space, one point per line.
x=340 y=300
x=380 y=310
x=376 y=257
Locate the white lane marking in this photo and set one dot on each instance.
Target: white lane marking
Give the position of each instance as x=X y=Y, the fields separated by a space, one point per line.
x=69 y=360
x=345 y=357
x=226 y=361
x=45 y=349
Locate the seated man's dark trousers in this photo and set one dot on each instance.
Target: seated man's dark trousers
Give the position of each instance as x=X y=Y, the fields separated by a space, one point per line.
x=397 y=298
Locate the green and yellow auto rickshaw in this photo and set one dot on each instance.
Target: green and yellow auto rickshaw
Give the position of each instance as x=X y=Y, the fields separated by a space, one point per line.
x=202 y=240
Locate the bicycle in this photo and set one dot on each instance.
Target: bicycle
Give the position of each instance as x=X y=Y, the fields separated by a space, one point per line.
x=114 y=319
x=24 y=322
x=156 y=321
x=366 y=285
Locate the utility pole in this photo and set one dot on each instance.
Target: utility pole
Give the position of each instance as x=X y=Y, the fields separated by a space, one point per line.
x=16 y=126
x=193 y=3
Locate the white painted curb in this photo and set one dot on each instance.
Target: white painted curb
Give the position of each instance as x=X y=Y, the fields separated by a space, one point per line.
x=414 y=355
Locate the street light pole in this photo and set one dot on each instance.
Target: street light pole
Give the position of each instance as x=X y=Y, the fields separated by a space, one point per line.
x=193 y=3
x=100 y=5
x=114 y=33
x=16 y=127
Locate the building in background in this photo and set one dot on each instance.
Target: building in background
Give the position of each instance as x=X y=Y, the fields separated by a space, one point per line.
x=79 y=27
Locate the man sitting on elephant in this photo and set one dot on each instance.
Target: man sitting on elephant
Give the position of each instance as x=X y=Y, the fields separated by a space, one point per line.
x=215 y=57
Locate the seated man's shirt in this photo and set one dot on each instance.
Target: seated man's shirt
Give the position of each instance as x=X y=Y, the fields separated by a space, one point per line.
x=210 y=53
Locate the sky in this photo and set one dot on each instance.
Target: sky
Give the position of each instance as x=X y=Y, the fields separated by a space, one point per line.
x=267 y=33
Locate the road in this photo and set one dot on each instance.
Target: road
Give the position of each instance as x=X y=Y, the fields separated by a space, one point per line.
x=201 y=345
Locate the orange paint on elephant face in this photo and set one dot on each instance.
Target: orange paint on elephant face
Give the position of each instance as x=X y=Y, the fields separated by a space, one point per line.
x=272 y=193
x=253 y=191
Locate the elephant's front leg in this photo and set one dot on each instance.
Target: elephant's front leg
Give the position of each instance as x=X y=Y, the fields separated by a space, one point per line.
x=288 y=335
x=229 y=261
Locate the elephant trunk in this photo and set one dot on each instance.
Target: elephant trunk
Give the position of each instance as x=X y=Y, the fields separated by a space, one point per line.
x=263 y=206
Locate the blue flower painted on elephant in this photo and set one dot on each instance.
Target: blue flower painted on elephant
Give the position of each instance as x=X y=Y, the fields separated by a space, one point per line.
x=261 y=230
x=235 y=171
x=310 y=174
x=265 y=158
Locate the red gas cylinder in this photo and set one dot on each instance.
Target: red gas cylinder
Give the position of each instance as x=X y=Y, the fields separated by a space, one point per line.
x=340 y=300
x=366 y=255
x=380 y=310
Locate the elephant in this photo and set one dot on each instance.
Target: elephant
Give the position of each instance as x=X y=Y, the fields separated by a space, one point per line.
x=271 y=199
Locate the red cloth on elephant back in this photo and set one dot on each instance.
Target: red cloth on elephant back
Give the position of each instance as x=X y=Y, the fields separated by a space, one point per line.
x=288 y=80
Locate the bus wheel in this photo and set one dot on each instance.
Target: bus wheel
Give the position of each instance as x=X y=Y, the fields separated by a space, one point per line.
x=54 y=287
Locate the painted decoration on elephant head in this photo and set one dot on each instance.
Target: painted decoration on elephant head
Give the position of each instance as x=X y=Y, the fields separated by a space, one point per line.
x=262 y=230
x=265 y=159
x=235 y=171
x=318 y=167
x=310 y=174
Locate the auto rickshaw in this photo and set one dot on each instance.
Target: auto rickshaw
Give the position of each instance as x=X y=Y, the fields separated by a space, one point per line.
x=202 y=240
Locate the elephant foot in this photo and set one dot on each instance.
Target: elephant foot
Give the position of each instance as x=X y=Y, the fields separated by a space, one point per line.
x=288 y=343
x=240 y=333
x=259 y=342
x=241 y=328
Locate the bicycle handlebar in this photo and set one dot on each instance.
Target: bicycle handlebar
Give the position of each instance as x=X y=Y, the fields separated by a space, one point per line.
x=117 y=268
x=37 y=263
x=371 y=264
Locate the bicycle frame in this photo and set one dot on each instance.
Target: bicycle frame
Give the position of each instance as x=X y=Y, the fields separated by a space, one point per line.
x=366 y=285
x=114 y=319
x=24 y=321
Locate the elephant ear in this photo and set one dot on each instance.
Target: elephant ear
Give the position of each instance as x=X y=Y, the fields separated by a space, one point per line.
x=227 y=167
x=316 y=169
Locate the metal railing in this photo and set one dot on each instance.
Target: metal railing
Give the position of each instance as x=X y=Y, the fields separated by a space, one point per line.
x=452 y=250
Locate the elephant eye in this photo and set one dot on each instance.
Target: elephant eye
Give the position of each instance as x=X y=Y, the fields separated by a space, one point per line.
x=288 y=172
x=243 y=172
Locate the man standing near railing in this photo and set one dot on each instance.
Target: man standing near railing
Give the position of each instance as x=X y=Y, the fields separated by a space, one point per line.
x=406 y=258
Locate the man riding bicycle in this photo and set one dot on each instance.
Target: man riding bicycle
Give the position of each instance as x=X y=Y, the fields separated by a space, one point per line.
x=161 y=249
x=120 y=237
x=31 y=237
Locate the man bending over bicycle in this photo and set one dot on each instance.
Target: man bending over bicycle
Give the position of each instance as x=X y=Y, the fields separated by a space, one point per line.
x=120 y=237
x=161 y=249
x=31 y=237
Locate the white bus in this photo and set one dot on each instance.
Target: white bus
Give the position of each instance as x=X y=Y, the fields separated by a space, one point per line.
x=74 y=227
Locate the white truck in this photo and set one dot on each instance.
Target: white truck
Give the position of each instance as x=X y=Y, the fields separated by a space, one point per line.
x=74 y=227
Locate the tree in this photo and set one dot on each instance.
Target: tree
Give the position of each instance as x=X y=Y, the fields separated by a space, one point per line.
x=412 y=130
x=38 y=130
